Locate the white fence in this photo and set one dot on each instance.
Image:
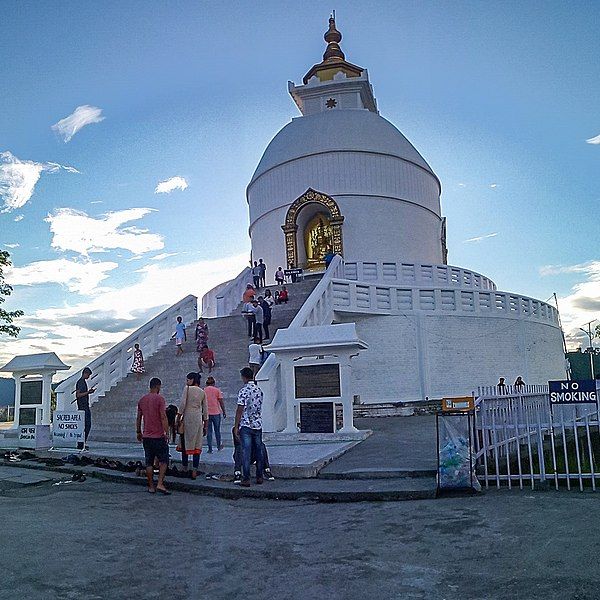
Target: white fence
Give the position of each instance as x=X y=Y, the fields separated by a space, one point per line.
x=386 y=299
x=113 y=366
x=521 y=438
x=420 y=275
x=222 y=300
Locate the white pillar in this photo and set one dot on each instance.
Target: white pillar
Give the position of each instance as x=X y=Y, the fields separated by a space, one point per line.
x=17 y=378
x=347 y=398
x=289 y=396
x=46 y=398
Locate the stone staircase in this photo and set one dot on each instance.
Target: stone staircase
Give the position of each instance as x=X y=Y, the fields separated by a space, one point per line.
x=113 y=416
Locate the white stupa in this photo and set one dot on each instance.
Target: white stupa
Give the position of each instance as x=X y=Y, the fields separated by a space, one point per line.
x=341 y=179
x=378 y=198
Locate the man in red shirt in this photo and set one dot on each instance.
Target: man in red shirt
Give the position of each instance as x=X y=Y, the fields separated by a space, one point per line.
x=154 y=435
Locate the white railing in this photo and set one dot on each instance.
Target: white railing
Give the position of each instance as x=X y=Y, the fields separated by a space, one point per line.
x=269 y=381
x=113 y=366
x=419 y=275
x=388 y=299
x=521 y=438
x=318 y=307
x=224 y=299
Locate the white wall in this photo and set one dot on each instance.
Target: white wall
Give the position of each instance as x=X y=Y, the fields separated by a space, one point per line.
x=374 y=229
x=419 y=355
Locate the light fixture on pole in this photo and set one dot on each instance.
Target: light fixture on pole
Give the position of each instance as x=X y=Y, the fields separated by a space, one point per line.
x=588 y=332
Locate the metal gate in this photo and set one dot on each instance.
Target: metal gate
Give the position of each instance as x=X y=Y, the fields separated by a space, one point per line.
x=522 y=439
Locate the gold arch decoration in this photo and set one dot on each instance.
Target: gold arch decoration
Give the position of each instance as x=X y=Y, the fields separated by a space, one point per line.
x=290 y=228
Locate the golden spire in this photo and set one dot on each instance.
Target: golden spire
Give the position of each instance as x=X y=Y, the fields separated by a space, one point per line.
x=334 y=60
x=333 y=38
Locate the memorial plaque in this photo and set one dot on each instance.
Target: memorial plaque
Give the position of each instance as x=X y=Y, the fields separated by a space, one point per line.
x=31 y=392
x=317 y=417
x=27 y=416
x=317 y=381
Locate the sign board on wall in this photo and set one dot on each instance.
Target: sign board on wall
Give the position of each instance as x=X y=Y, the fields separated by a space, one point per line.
x=572 y=391
x=317 y=417
x=68 y=428
x=317 y=381
x=31 y=392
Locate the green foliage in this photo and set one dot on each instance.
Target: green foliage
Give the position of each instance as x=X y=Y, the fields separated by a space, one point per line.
x=7 y=317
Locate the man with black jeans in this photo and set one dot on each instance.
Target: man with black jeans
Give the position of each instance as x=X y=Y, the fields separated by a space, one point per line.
x=82 y=396
x=248 y=426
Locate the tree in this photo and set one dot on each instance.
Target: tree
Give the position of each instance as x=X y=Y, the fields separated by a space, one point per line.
x=7 y=316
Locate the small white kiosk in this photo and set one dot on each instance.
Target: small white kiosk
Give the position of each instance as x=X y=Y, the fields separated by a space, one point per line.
x=33 y=393
x=316 y=375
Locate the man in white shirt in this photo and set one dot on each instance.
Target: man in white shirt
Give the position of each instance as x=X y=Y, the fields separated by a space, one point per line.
x=248 y=426
x=254 y=355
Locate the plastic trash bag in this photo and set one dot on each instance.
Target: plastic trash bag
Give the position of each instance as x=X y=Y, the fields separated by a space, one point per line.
x=455 y=468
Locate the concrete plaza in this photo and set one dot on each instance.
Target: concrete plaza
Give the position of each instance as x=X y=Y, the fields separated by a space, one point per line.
x=99 y=539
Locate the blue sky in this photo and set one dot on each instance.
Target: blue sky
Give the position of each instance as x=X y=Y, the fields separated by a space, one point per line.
x=499 y=98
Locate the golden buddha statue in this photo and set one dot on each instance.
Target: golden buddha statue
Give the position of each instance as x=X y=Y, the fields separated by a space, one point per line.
x=318 y=241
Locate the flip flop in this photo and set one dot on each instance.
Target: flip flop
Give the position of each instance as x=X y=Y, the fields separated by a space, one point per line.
x=151 y=491
x=163 y=492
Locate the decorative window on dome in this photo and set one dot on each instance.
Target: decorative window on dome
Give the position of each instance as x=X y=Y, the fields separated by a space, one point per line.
x=331 y=103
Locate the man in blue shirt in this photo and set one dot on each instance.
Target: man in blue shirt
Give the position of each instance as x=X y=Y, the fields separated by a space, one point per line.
x=180 y=336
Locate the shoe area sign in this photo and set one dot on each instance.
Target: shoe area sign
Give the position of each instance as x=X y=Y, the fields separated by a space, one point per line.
x=68 y=428
x=573 y=391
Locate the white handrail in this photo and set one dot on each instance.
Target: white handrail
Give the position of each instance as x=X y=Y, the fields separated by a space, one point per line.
x=417 y=274
x=229 y=297
x=318 y=307
x=112 y=366
x=382 y=298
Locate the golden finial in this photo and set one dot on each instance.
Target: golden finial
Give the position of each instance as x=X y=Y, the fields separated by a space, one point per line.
x=333 y=38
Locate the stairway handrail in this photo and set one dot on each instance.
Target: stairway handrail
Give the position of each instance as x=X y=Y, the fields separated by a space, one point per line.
x=230 y=296
x=313 y=310
x=111 y=367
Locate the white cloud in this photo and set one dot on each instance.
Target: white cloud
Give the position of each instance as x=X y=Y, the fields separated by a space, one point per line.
x=81 y=332
x=174 y=183
x=81 y=277
x=15 y=245
x=594 y=140
x=462 y=185
x=164 y=255
x=583 y=303
x=96 y=202
x=18 y=179
x=548 y=270
x=493 y=185
x=82 y=116
x=75 y=230
x=19 y=218
x=481 y=237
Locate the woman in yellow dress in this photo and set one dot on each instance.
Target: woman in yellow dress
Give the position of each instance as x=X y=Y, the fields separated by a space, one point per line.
x=193 y=422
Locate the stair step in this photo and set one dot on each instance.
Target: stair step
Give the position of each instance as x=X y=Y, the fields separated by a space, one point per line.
x=113 y=415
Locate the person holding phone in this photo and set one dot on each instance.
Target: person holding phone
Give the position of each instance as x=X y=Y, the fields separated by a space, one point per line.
x=82 y=396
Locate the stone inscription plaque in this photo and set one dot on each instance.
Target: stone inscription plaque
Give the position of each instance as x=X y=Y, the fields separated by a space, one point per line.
x=317 y=381
x=316 y=417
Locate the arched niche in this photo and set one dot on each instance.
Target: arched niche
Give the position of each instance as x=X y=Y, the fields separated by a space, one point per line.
x=315 y=216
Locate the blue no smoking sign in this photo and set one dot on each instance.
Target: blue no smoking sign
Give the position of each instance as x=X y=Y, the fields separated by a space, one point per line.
x=571 y=391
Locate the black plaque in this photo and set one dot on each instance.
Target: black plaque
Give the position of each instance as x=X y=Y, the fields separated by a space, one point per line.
x=27 y=416
x=316 y=417
x=31 y=392
x=317 y=381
